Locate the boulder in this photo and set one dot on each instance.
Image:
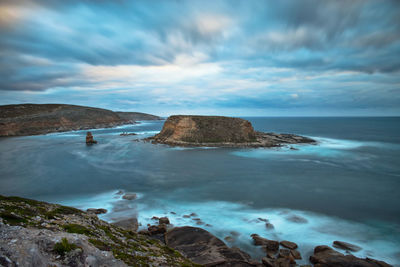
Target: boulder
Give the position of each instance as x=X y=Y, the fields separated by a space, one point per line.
x=346 y=246
x=128 y=224
x=89 y=139
x=288 y=244
x=269 y=245
x=96 y=211
x=129 y=196
x=157 y=229
x=203 y=248
x=163 y=220
x=326 y=256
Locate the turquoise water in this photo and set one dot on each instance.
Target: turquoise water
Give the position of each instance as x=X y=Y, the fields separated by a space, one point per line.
x=344 y=188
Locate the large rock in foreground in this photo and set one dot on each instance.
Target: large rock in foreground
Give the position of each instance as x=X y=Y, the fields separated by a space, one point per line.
x=217 y=131
x=203 y=248
x=325 y=256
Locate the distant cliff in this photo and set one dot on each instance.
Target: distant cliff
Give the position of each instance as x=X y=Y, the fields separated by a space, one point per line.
x=185 y=130
x=137 y=116
x=33 y=119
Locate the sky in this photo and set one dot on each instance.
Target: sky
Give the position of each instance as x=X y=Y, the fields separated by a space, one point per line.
x=232 y=57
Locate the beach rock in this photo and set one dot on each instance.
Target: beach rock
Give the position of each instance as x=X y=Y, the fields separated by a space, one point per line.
x=89 y=139
x=128 y=224
x=296 y=219
x=288 y=244
x=163 y=220
x=203 y=248
x=96 y=211
x=269 y=245
x=269 y=226
x=346 y=246
x=157 y=229
x=326 y=256
x=129 y=196
x=296 y=254
x=218 y=131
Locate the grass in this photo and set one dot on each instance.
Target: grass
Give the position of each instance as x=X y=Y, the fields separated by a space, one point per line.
x=77 y=229
x=64 y=247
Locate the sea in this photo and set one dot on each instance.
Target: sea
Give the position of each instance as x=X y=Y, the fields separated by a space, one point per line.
x=346 y=187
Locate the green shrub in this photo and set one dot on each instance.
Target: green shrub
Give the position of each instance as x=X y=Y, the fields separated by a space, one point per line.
x=64 y=247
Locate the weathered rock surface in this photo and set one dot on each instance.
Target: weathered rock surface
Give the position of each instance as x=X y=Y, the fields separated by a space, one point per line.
x=30 y=230
x=203 y=248
x=288 y=244
x=269 y=245
x=218 y=131
x=96 y=211
x=129 y=196
x=33 y=119
x=325 y=256
x=128 y=224
x=346 y=246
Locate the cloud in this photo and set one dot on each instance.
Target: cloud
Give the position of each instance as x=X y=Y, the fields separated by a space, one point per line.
x=209 y=55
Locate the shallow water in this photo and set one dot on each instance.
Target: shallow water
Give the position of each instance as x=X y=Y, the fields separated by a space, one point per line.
x=346 y=187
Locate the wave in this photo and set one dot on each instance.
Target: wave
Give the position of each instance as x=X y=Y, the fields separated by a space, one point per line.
x=379 y=240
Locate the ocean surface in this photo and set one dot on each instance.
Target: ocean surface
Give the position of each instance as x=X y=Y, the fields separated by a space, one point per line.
x=347 y=187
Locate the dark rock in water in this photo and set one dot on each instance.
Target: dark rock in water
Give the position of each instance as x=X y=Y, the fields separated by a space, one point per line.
x=326 y=256
x=288 y=244
x=127 y=134
x=296 y=254
x=163 y=220
x=346 y=246
x=129 y=196
x=269 y=245
x=186 y=216
x=284 y=253
x=218 y=131
x=96 y=211
x=155 y=218
x=296 y=219
x=157 y=229
x=128 y=224
x=203 y=248
x=89 y=139
x=193 y=214
x=120 y=192
x=174 y=213
x=269 y=226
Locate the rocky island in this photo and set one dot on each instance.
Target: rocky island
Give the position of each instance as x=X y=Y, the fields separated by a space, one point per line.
x=218 y=131
x=33 y=119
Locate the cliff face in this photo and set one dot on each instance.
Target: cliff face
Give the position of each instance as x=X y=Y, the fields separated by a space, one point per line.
x=32 y=119
x=182 y=130
x=206 y=129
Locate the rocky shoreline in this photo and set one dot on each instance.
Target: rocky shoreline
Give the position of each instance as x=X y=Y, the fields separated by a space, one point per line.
x=34 y=233
x=218 y=131
x=35 y=119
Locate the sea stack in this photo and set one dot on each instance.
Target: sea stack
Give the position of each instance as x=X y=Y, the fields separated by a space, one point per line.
x=218 y=131
x=89 y=139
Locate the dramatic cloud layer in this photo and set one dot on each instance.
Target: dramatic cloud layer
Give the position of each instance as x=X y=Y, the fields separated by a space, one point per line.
x=306 y=57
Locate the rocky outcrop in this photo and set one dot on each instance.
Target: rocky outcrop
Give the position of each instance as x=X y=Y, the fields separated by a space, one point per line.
x=217 y=131
x=203 y=248
x=33 y=119
x=89 y=139
x=325 y=256
x=34 y=233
